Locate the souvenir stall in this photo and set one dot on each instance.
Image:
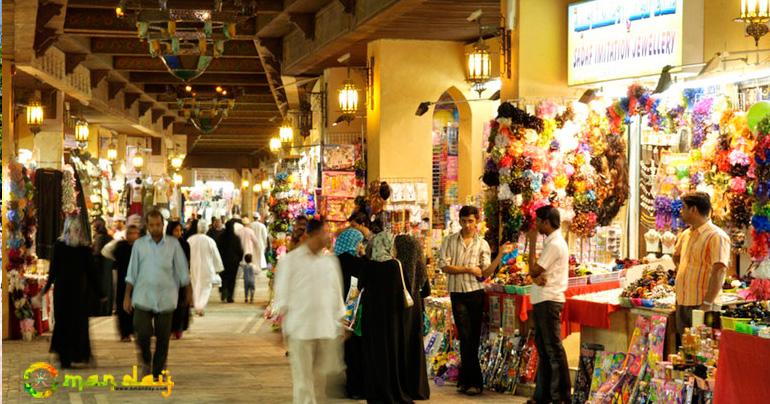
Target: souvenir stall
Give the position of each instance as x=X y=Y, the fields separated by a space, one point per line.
x=209 y=199
x=342 y=180
x=94 y=176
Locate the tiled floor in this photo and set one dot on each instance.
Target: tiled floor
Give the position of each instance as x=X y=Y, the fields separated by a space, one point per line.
x=229 y=355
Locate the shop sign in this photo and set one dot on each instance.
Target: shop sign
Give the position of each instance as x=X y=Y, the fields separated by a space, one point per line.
x=611 y=39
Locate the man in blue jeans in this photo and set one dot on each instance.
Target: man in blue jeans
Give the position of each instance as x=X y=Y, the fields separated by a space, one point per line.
x=549 y=276
x=157 y=270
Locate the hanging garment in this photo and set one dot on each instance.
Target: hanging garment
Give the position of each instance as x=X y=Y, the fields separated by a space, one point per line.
x=49 y=214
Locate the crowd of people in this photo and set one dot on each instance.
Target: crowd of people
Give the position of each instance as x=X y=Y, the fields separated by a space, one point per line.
x=161 y=269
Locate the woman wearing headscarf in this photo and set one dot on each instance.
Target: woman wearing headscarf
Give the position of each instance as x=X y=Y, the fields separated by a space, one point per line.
x=408 y=251
x=181 y=318
x=386 y=334
x=348 y=248
x=71 y=271
x=101 y=293
x=231 y=251
x=191 y=228
x=205 y=263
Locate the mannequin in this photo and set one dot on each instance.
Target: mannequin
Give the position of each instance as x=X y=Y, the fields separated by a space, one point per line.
x=652 y=239
x=135 y=204
x=161 y=193
x=148 y=196
x=669 y=243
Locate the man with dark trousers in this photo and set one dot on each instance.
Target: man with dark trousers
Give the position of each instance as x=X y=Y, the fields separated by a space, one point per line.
x=550 y=274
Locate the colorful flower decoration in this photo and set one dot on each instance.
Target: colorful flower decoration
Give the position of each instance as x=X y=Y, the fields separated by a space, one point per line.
x=760 y=221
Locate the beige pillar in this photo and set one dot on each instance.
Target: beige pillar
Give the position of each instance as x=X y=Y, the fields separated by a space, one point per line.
x=9 y=152
x=247 y=195
x=49 y=143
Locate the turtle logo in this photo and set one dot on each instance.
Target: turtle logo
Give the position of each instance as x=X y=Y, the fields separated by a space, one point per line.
x=40 y=380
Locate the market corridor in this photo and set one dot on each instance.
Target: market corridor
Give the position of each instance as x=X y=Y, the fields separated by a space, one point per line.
x=229 y=355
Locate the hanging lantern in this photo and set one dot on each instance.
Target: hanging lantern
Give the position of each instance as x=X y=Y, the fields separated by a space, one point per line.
x=266 y=185
x=245 y=184
x=176 y=178
x=286 y=134
x=112 y=152
x=35 y=117
x=348 y=97
x=275 y=145
x=257 y=188
x=176 y=162
x=81 y=131
x=755 y=14
x=137 y=161
x=479 y=67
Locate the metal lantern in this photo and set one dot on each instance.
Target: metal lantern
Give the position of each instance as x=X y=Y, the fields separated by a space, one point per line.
x=286 y=134
x=137 y=161
x=756 y=14
x=81 y=131
x=176 y=178
x=266 y=185
x=275 y=145
x=348 y=97
x=35 y=117
x=176 y=162
x=479 y=67
x=257 y=188
x=112 y=152
x=245 y=184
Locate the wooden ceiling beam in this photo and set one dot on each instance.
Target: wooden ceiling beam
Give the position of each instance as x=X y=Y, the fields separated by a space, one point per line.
x=168 y=120
x=114 y=88
x=144 y=106
x=156 y=114
x=72 y=60
x=220 y=160
x=305 y=22
x=129 y=99
x=263 y=6
x=184 y=128
x=234 y=48
x=252 y=80
x=239 y=106
x=219 y=65
x=45 y=36
x=163 y=88
x=263 y=99
x=97 y=75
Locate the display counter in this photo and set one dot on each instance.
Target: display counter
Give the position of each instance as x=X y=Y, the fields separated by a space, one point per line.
x=742 y=369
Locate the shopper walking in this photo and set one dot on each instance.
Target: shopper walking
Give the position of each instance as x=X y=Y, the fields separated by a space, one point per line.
x=463 y=256
x=298 y=232
x=216 y=229
x=231 y=251
x=119 y=227
x=549 y=276
x=180 y=322
x=247 y=268
x=205 y=264
x=70 y=271
x=249 y=242
x=261 y=231
x=120 y=252
x=348 y=248
x=308 y=293
x=101 y=294
x=156 y=271
x=702 y=255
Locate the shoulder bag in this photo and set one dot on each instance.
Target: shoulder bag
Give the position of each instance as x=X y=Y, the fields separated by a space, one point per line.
x=408 y=301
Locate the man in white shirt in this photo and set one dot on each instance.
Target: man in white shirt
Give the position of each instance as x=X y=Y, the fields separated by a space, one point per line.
x=261 y=231
x=550 y=275
x=308 y=292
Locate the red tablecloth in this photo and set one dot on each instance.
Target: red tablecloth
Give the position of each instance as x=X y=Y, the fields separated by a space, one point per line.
x=523 y=304
x=743 y=369
x=590 y=314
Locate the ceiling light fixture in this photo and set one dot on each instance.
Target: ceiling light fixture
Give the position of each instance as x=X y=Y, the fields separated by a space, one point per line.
x=755 y=14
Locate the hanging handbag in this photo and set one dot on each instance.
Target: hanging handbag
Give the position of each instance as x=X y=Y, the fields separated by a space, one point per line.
x=408 y=301
x=216 y=280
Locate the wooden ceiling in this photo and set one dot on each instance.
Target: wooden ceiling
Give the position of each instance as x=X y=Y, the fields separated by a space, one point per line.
x=279 y=38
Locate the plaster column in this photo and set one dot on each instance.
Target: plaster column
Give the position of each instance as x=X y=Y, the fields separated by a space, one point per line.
x=9 y=150
x=247 y=195
x=49 y=143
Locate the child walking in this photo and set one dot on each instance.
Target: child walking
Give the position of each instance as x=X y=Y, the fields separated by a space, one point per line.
x=248 y=279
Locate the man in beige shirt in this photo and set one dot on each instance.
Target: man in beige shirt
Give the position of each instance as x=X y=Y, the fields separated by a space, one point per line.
x=465 y=258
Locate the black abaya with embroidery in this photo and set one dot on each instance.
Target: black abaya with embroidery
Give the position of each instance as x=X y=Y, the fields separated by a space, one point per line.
x=395 y=369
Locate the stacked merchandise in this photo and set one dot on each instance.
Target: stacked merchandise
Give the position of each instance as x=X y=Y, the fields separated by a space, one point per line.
x=19 y=236
x=625 y=377
x=653 y=289
x=507 y=361
x=95 y=180
x=442 y=350
x=341 y=183
x=749 y=318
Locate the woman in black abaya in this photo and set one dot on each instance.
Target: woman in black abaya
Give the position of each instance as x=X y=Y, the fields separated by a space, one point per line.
x=181 y=318
x=71 y=272
x=391 y=331
x=229 y=246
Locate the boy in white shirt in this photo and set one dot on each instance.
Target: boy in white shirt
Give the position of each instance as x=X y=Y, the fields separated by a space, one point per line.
x=550 y=275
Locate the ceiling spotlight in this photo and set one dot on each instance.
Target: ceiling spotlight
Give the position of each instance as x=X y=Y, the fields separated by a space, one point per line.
x=120 y=10
x=219 y=89
x=188 y=88
x=664 y=82
x=224 y=92
x=588 y=96
x=423 y=108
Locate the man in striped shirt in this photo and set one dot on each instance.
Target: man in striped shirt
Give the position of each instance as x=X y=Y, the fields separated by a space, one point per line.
x=465 y=258
x=702 y=255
